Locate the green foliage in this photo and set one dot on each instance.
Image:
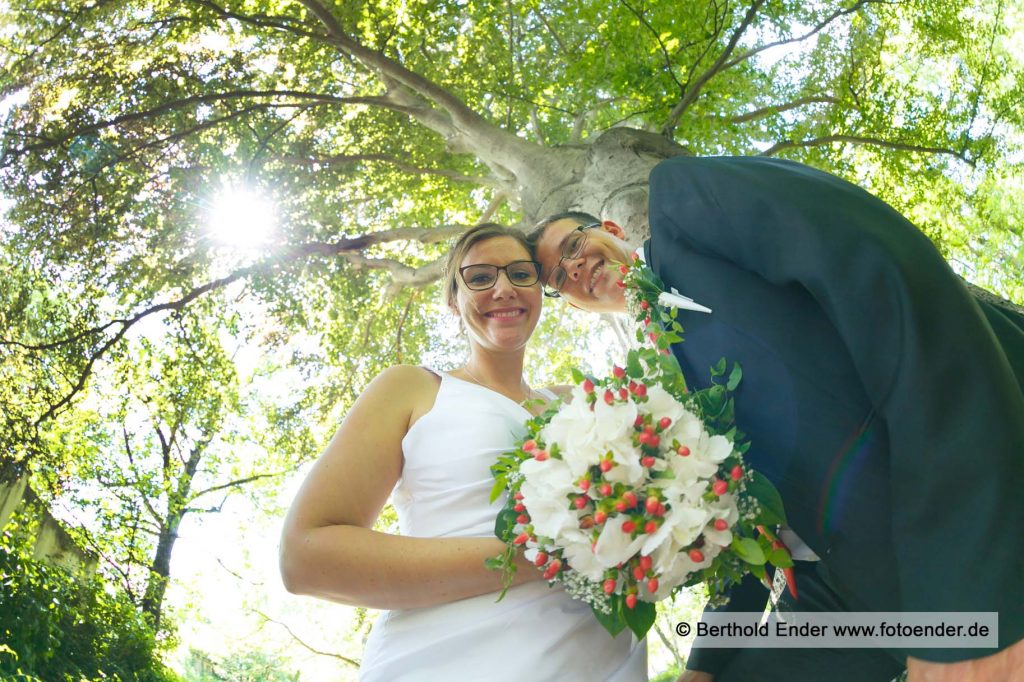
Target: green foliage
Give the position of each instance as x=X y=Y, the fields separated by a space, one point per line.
x=62 y=626
x=245 y=666
x=124 y=317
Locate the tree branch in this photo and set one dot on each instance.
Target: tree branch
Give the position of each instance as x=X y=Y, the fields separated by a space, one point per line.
x=459 y=124
x=205 y=99
x=238 y=483
x=855 y=139
x=342 y=159
x=661 y=45
x=779 y=108
x=352 y=662
x=832 y=17
x=693 y=88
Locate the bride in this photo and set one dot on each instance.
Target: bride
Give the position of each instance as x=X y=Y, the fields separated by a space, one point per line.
x=428 y=439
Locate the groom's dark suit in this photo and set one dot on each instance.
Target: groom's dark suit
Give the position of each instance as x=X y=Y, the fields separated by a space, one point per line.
x=883 y=401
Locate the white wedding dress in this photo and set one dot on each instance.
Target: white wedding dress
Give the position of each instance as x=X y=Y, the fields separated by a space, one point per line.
x=536 y=632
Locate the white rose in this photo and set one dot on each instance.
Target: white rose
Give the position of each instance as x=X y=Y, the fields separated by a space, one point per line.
x=545 y=488
x=660 y=403
x=615 y=546
x=574 y=429
x=582 y=559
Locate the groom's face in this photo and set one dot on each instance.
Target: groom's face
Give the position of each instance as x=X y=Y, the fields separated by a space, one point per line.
x=591 y=276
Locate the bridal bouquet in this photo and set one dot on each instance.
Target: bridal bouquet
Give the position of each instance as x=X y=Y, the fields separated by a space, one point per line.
x=636 y=487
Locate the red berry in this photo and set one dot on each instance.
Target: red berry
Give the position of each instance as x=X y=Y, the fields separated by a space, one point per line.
x=638 y=422
x=521 y=539
x=588 y=386
x=529 y=445
x=580 y=502
x=646 y=562
x=651 y=504
x=650 y=527
x=696 y=556
x=621 y=506
x=638 y=572
x=620 y=284
x=600 y=516
x=721 y=524
x=605 y=489
x=736 y=473
x=585 y=484
x=644 y=305
x=517 y=496
x=720 y=487
x=665 y=422
x=652 y=585
x=618 y=372
x=647 y=321
x=623 y=269
x=606 y=465
x=683 y=450
x=541 y=559
x=519 y=508
x=641 y=390
x=631 y=601
x=523 y=519
x=628 y=527
x=609 y=397
x=661 y=510
x=552 y=570
x=630 y=498
x=540 y=455
x=644 y=438
x=652 y=336
x=647 y=461
x=623 y=393
x=609 y=586
x=655 y=441
x=632 y=389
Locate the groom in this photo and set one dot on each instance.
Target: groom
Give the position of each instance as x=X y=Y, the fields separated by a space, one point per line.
x=879 y=396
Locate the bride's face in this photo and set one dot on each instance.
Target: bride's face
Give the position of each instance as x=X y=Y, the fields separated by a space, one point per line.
x=504 y=316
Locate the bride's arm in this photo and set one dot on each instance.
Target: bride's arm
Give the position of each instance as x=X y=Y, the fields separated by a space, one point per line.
x=328 y=547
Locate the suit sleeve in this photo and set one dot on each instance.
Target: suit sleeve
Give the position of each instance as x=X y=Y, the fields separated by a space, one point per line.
x=926 y=355
x=748 y=596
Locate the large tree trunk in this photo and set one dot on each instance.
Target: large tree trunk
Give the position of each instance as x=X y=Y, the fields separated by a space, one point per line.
x=607 y=177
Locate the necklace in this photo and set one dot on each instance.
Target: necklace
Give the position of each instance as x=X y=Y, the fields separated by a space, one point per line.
x=527 y=391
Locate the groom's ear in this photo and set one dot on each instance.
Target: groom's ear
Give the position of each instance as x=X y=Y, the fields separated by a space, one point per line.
x=612 y=228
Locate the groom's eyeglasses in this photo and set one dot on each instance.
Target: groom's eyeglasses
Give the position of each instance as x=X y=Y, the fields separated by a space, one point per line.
x=572 y=247
x=520 y=273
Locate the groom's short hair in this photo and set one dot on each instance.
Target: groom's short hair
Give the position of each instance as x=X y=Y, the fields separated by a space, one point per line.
x=537 y=232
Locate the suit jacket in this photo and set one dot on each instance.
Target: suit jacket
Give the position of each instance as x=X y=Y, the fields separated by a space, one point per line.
x=883 y=401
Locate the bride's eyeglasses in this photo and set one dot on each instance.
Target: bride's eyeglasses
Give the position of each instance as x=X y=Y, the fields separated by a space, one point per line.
x=520 y=273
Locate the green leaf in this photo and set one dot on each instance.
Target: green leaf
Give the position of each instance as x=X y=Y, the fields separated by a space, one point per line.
x=498 y=487
x=504 y=524
x=748 y=550
x=719 y=368
x=633 y=368
x=772 y=511
x=640 y=618
x=613 y=622
x=780 y=558
x=734 y=377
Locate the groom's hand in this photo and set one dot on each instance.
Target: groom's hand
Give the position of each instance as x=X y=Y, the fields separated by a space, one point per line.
x=695 y=676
